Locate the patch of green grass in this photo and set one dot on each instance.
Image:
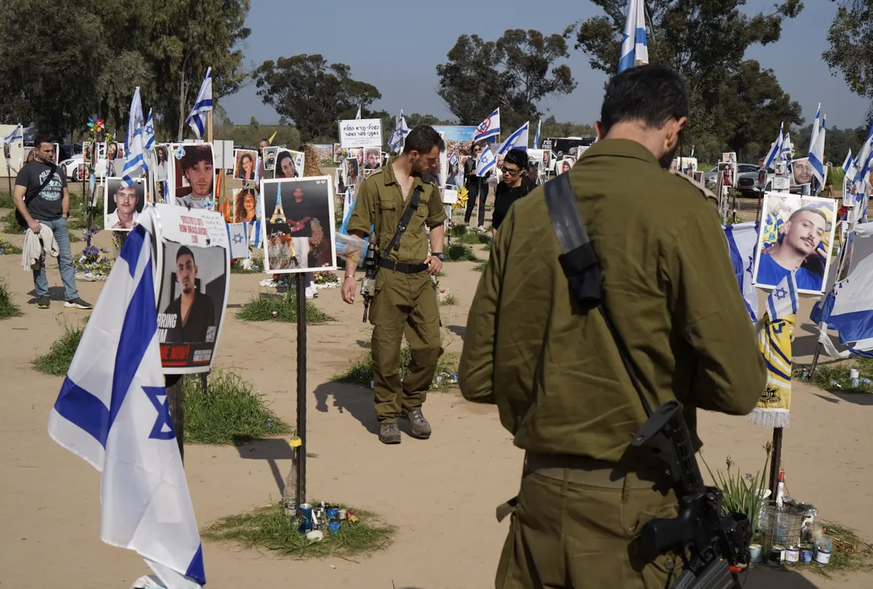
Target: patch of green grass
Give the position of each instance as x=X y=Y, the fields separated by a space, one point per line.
x=10 y=225
x=270 y=528
x=237 y=268
x=459 y=252
x=479 y=267
x=836 y=377
x=459 y=230
x=82 y=222
x=8 y=308
x=57 y=360
x=475 y=238
x=849 y=554
x=8 y=248
x=6 y=201
x=261 y=308
x=228 y=413
x=361 y=372
x=449 y=300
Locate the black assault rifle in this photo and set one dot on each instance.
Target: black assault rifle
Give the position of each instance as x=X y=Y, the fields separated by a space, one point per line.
x=712 y=544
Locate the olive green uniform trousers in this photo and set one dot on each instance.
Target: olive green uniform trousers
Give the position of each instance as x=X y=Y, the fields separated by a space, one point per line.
x=575 y=529
x=405 y=304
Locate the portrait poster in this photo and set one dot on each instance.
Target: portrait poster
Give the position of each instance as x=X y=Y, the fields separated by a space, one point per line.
x=122 y=205
x=797 y=232
x=339 y=180
x=300 y=234
x=192 y=179
x=459 y=141
x=270 y=154
x=801 y=172
x=338 y=154
x=325 y=153
x=86 y=152
x=112 y=151
x=246 y=205
x=289 y=164
x=57 y=153
x=353 y=169
x=245 y=165
x=101 y=151
x=193 y=286
x=566 y=163
x=161 y=159
x=372 y=158
x=360 y=133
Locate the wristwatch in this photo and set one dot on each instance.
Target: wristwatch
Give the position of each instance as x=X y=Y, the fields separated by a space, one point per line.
x=440 y=256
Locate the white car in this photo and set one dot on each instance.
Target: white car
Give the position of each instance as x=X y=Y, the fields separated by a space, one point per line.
x=77 y=170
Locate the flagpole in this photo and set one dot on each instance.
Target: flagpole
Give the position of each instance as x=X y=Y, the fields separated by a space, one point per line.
x=209 y=126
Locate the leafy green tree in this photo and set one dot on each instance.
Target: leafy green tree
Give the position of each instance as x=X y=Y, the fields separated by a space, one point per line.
x=313 y=93
x=705 y=41
x=515 y=73
x=415 y=119
x=849 y=52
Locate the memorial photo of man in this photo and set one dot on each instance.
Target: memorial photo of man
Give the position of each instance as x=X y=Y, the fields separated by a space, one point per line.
x=199 y=172
x=193 y=310
x=123 y=205
x=373 y=158
x=799 y=240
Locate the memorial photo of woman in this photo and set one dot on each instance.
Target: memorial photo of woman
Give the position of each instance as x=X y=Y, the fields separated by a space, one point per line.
x=285 y=167
x=245 y=206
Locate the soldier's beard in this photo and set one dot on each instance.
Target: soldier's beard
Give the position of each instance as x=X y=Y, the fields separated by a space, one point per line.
x=666 y=160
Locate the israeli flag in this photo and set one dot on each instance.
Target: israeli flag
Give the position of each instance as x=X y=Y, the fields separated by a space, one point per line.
x=358 y=114
x=536 y=144
x=149 y=132
x=816 y=155
x=488 y=128
x=816 y=125
x=786 y=147
x=485 y=162
x=863 y=161
x=197 y=119
x=400 y=133
x=849 y=167
x=775 y=149
x=237 y=241
x=134 y=164
x=518 y=139
x=634 y=47
x=742 y=241
x=453 y=159
x=16 y=135
x=135 y=120
x=255 y=232
x=112 y=412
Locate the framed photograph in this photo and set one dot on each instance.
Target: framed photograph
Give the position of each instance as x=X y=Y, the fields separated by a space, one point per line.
x=246 y=205
x=270 y=158
x=192 y=181
x=193 y=274
x=340 y=180
x=353 y=176
x=122 y=205
x=325 y=153
x=797 y=234
x=372 y=158
x=697 y=177
x=801 y=172
x=566 y=163
x=245 y=164
x=338 y=154
x=300 y=233
x=112 y=151
x=161 y=159
x=289 y=164
x=357 y=154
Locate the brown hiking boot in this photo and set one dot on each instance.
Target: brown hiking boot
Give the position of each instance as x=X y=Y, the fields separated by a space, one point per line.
x=418 y=425
x=389 y=433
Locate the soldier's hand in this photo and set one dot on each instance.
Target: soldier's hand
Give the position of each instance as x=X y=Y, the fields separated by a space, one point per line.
x=348 y=290
x=435 y=265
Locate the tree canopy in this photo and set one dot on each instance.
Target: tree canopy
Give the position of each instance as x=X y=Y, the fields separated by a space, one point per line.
x=849 y=53
x=515 y=73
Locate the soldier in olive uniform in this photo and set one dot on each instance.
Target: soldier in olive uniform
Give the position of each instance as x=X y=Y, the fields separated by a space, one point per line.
x=555 y=372
x=406 y=300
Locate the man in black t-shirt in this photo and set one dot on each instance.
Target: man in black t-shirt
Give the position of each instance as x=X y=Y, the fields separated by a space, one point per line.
x=42 y=198
x=193 y=310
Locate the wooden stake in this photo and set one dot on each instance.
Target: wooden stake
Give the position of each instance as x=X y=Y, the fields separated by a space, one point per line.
x=301 y=387
x=776 y=460
x=175 y=398
x=209 y=127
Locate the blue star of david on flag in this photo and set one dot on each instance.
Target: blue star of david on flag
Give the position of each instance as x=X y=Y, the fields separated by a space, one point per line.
x=237 y=238
x=780 y=293
x=163 y=420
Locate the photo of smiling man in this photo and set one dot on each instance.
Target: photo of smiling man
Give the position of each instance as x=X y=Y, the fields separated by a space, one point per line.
x=195 y=176
x=797 y=234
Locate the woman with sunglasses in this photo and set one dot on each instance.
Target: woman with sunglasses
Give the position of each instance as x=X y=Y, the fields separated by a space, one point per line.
x=514 y=185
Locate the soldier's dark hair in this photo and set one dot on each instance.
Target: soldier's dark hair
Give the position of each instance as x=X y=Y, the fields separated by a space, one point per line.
x=652 y=94
x=185 y=251
x=196 y=154
x=516 y=156
x=422 y=139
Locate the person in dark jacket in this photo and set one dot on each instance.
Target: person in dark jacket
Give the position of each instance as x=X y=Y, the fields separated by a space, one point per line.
x=476 y=187
x=515 y=185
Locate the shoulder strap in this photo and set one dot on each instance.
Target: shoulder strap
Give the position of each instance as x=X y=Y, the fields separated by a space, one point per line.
x=581 y=265
x=404 y=222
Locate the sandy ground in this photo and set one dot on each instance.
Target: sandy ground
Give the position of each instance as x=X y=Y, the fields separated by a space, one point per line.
x=441 y=494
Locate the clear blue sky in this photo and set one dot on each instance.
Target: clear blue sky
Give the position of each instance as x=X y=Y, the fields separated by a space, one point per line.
x=385 y=45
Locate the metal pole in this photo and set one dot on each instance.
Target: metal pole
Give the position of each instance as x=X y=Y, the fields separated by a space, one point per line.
x=776 y=461
x=175 y=399
x=301 y=387
x=204 y=382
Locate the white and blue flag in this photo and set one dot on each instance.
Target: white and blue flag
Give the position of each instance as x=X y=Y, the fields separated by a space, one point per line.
x=816 y=125
x=358 y=114
x=255 y=233
x=518 y=140
x=775 y=149
x=786 y=147
x=237 y=242
x=134 y=164
x=536 y=144
x=148 y=134
x=17 y=134
x=634 y=47
x=489 y=128
x=453 y=159
x=112 y=412
x=816 y=154
x=742 y=241
x=197 y=119
x=398 y=137
x=849 y=168
x=485 y=161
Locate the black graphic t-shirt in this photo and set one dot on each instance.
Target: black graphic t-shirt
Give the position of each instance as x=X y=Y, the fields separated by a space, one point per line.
x=48 y=204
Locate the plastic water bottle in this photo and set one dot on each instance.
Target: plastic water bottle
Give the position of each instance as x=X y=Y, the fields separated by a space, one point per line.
x=289 y=493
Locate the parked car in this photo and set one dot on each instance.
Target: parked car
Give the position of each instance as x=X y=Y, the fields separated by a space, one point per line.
x=77 y=170
x=711 y=177
x=747 y=182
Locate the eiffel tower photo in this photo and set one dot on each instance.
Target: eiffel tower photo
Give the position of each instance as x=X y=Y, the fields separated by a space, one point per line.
x=278 y=212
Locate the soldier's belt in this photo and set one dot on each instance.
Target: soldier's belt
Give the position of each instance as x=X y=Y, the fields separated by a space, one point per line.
x=403 y=268
x=589 y=471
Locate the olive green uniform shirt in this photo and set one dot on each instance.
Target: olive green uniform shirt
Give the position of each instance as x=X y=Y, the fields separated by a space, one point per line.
x=381 y=204
x=555 y=373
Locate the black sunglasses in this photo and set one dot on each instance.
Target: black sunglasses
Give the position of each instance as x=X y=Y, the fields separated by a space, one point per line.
x=510 y=172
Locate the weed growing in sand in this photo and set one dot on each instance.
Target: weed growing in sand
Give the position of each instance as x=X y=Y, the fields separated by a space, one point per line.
x=6 y=201
x=458 y=252
x=479 y=267
x=475 y=238
x=261 y=308
x=10 y=225
x=837 y=377
x=7 y=248
x=459 y=230
x=228 y=413
x=57 y=361
x=8 y=308
x=361 y=372
x=270 y=528
x=449 y=300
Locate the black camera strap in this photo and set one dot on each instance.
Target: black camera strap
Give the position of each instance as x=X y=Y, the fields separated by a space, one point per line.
x=581 y=265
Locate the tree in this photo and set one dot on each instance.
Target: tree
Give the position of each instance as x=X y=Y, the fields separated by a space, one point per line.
x=415 y=119
x=552 y=128
x=849 y=52
x=313 y=93
x=515 y=73
x=705 y=41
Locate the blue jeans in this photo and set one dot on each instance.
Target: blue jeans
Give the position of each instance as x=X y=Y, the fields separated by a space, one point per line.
x=65 y=261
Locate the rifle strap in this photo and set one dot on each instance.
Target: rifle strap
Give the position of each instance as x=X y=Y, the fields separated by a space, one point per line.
x=581 y=265
x=404 y=222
